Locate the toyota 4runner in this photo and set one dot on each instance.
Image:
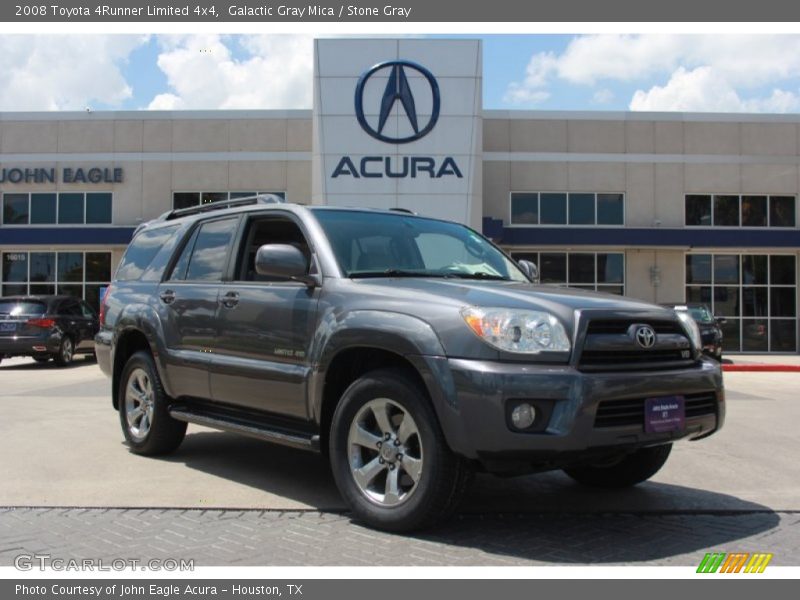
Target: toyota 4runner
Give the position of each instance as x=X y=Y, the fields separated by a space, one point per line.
x=411 y=351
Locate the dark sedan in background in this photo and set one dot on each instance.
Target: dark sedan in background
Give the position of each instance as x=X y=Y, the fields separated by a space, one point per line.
x=710 y=326
x=45 y=327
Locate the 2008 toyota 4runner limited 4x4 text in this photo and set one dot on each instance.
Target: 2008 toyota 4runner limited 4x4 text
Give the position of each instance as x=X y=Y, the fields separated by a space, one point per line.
x=411 y=351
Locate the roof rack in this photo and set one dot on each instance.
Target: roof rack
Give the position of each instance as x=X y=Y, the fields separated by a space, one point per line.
x=221 y=204
x=403 y=210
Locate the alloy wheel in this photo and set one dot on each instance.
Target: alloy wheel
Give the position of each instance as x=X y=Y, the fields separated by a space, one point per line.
x=139 y=400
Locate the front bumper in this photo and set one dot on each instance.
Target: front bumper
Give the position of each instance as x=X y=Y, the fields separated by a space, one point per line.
x=471 y=398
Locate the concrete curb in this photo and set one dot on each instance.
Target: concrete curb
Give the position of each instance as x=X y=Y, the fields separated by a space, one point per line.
x=762 y=368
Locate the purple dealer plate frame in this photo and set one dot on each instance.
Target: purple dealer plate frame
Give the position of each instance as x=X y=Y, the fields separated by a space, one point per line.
x=664 y=414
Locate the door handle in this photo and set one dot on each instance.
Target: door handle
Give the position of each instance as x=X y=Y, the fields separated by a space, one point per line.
x=167 y=296
x=230 y=299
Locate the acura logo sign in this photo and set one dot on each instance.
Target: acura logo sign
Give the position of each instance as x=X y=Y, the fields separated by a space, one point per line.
x=397 y=91
x=645 y=336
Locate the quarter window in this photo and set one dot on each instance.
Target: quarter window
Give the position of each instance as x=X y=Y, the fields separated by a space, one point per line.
x=561 y=208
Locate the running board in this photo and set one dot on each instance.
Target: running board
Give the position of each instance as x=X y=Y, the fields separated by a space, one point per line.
x=256 y=430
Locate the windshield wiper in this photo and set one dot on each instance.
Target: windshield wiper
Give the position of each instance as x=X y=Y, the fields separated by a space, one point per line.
x=394 y=273
x=479 y=275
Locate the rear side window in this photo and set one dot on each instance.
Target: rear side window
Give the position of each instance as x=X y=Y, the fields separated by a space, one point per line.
x=12 y=308
x=204 y=257
x=142 y=251
x=71 y=308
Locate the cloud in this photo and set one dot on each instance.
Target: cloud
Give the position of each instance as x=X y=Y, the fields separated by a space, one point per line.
x=602 y=96
x=691 y=72
x=64 y=72
x=212 y=71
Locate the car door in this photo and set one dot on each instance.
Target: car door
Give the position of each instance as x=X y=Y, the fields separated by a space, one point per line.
x=265 y=327
x=187 y=301
x=70 y=318
x=87 y=325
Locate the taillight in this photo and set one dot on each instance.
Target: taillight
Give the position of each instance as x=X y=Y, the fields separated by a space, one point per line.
x=103 y=302
x=43 y=323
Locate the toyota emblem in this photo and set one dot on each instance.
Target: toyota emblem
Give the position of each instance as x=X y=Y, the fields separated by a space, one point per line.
x=645 y=336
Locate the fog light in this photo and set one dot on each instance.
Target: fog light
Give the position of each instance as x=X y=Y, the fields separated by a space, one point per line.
x=523 y=416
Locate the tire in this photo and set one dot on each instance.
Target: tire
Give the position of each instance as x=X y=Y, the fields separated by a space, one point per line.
x=66 y=352
x=427 y=490
x=41 y=359
x=631 y=469
x=91 y=357
x=143 y=409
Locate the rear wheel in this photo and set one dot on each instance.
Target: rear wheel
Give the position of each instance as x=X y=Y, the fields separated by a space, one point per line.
x=143 y=409
x=66 y=352
x=389 y=457
x=627 y=471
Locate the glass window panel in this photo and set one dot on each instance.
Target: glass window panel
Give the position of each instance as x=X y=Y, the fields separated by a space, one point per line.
x=617 y=290
x=92 y=296
x=15 y=209
x=698 y=268
x=43 y=289
x=731 y=336
x=98 y=266
x=755 y=335
x=581 y=209
x=235 y=195
x=209 y=197
x=15 y=267
x=185 y=200
x=781 y=270
x=754 y=302
x=70 y=208
x=783 y=302
x=610 y=209
x=698 y=210
x=71 y=289
x=611 y=268
x=726 y=211
x=783 y=335
x=553 y=268
x=70 y=266
x=754 y=211
x=524 y=209
x=43 y=208
x=553 y=209
x=726 y=301
x=726 y=268
x=754 y=269
x=699 y=294
x=98 y=207
x=43 y=266
x=781 y=211
x=15 y=290
x=211 y=250
x=581 y=268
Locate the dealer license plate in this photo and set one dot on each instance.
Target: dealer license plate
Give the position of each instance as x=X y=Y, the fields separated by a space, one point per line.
x=665 y=414
x=6 y=327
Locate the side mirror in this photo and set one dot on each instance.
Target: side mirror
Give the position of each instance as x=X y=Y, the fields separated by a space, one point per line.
x=720 y=320
x=530 y=269
x=284 y=260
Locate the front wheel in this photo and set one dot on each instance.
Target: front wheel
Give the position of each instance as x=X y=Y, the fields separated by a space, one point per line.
x=627 y=471
x=389 y=457
x=143 y=409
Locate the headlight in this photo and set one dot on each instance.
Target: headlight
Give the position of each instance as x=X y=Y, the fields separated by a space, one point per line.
x=521 y=331
x=692 y=330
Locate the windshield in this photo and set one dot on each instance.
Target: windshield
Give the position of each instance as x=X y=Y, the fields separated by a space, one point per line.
x=369 y=244
x=701 y=314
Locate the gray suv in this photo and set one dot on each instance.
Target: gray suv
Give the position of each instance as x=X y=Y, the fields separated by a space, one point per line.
x=411 y=351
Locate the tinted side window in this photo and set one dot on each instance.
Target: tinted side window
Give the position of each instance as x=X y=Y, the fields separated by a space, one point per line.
x=87 y=312
x=71 y=308
x=211 y=250
x=142 y=251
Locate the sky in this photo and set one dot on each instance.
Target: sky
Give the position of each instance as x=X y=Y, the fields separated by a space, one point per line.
x=649 y=72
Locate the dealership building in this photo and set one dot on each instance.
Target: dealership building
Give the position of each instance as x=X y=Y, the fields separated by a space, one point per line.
x=666 y=207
